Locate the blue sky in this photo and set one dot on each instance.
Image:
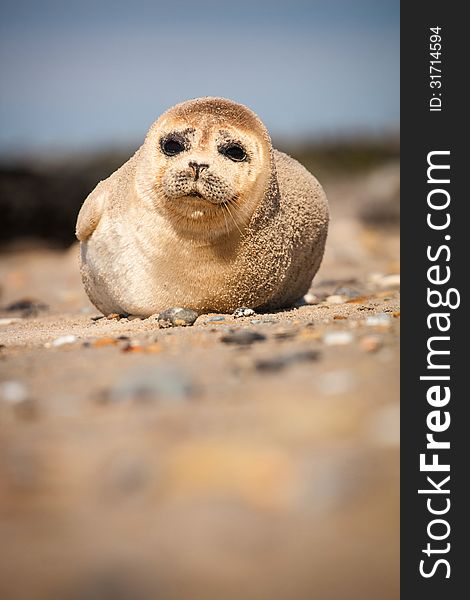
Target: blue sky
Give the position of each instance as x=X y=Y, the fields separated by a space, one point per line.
x=97 y=74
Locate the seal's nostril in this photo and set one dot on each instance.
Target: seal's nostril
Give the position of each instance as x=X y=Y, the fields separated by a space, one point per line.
x=197 y=168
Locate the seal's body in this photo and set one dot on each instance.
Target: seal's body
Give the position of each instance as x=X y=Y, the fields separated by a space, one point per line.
x=205 y=215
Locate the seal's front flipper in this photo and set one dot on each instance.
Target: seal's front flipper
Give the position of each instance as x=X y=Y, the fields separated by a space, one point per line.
x=90 y=213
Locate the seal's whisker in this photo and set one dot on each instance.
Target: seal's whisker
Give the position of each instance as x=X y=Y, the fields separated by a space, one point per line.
x=225 y=219
x=235 y=222
x=240 y=210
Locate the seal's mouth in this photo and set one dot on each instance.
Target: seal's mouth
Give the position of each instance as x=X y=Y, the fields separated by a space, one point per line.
x=195 y=194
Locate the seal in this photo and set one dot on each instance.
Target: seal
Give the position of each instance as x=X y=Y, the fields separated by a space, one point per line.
x=205 y=215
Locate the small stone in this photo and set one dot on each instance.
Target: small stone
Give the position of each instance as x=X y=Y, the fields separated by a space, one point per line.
x=136 y=348
x=285 y=335
x=10 y=321
x=336 y=299
x=311 y=299
x=215 y=319
x=63 y=340
x=28 y=307
x=244 y=337
x=381 y=320
x=338 y=338
x=13 y=391
x=350 y=293
x=359 y=300
x=389 y=281
x=113 y=317
x=102 y=342
x=243 y=311
x=371 y=343
x=160 y=382
x=132 y=346
x=258 y=321
x=280 y=362
x=177 y=317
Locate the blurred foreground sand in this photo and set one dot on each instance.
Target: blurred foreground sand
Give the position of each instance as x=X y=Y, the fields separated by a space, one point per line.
x=144 y=463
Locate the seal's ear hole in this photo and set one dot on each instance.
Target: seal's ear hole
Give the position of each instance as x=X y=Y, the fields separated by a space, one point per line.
x=172 y=145
x=235 y=152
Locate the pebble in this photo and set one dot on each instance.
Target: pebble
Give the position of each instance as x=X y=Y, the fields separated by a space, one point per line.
x=311 y=299
x=379 y=320
x=286 y=334
x=245 y=337
x=258 y=321
x=113 y=317
x=338 y=338
x=13 y=391
x=160 y=382
x=389 y=281
x=336 y=299
x=177 y=317
x=385 y=281
x=102 y=342
x=215 y=319
x=29 y=308
x=243 y=311
x=371 y=343
x=10 y=321
x=63 y=340
x=349 y=292
x=136 y=348
x=280 y=362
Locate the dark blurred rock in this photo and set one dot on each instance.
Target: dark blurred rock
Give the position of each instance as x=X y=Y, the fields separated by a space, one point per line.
x=162 y=382
x=27 y=307
x=245 y=337
x=278 y=363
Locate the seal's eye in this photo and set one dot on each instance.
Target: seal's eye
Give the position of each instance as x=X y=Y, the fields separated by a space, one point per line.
x=233 y=151
x=172 y=145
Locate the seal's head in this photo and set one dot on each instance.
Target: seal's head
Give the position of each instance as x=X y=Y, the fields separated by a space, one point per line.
x=206 y=165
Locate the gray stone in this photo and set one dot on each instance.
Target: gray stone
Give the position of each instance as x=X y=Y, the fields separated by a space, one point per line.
x=177 y=317
x=280 y=362
x=244 y=337
x=62 y=340
x=165 y=382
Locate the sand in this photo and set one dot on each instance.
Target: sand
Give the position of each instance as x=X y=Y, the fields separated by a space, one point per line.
x=139 y=462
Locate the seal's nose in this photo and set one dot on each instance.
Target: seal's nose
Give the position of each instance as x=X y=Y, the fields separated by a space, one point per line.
x=197 y=168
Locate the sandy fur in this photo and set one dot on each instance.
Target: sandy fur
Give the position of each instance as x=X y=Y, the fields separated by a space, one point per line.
x=143 y=251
